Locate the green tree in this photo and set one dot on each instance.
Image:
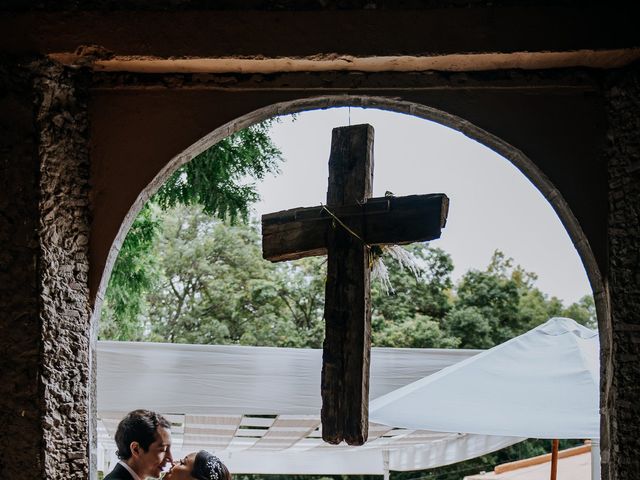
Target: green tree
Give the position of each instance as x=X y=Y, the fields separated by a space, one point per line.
x=485 y=311
x=501 y=302
x=133 y=274
x=205 y=267
x=426 y=293
x=471 y=326
x=214 y=287
x=410 y=315
x=299 y=289
x=583 y=312
x=220 y=180
x=419 y=331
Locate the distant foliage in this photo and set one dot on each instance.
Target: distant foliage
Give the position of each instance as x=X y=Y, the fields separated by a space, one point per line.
x=211 y=285
x=133 y=274
x=222 y=181
x=214 y=287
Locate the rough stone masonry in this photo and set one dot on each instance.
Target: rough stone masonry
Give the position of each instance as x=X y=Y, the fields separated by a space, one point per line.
x=622 y=389
x=44 y=297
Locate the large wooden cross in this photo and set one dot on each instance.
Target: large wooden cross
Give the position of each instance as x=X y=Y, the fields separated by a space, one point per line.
x=345 y=229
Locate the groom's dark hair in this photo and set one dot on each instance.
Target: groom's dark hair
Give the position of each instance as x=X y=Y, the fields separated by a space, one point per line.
x=138 y=426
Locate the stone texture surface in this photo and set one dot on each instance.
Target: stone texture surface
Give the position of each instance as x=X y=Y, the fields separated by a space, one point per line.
x=45 y=337
x=20 y=408
x=62 y=123
x=44 y=225
x=622 y=390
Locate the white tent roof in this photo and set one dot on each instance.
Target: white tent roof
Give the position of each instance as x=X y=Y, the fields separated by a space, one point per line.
x=543 y=384
x=258 y=408
x=230 y=379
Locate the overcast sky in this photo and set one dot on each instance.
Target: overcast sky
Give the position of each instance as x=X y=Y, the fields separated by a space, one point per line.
x=493 y=206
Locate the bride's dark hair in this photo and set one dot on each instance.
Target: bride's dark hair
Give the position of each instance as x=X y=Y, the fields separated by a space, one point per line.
x=207 y=466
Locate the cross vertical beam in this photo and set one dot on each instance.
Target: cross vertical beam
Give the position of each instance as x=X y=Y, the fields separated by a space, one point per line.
x=342 y=230
x=347 y=344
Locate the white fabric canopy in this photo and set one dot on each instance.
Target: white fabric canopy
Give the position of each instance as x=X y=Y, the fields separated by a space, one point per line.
x=258 y=408
x=543 y=384
x=230 y=379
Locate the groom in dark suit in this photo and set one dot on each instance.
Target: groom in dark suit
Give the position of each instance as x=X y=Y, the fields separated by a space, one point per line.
x=143 y=439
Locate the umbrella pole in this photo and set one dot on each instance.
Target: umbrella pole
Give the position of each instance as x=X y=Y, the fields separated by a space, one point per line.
x=554 y=459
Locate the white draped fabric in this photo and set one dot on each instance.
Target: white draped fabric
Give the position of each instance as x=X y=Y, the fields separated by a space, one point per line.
x=230 y=379
x=258 y=408
x=542 y=384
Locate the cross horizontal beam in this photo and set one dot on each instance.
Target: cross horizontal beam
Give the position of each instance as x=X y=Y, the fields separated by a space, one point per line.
x=302 y=232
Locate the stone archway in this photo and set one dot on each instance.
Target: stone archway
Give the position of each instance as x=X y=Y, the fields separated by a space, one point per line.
x=53 y=335
x=571 y=72
x=511 y=153
x=525 y=164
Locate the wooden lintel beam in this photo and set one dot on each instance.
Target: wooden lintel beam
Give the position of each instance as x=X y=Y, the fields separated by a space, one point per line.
x=302 y=232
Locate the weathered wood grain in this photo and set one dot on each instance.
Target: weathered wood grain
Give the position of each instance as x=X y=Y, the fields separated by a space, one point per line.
x=344 y=230
x=302 y=232
x=347 y=312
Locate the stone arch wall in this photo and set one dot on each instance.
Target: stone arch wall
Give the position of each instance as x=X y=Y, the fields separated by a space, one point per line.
x=592 y=125
x=620 y=355
x=515 y=156
x=44 y=264
x=566 y=107
x=61 y=181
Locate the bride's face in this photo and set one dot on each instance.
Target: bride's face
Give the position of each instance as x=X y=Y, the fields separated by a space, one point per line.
x=181 y=469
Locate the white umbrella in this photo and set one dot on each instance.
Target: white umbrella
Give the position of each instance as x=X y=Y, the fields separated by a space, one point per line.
x=542 y=384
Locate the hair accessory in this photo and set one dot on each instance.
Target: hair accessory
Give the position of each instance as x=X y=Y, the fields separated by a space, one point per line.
x=213 y=466
x=207 y=467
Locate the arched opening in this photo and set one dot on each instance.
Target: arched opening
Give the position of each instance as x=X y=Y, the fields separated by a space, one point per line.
x=525 y=165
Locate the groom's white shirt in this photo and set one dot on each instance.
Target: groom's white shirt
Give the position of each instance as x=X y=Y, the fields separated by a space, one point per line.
x=130 y=470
